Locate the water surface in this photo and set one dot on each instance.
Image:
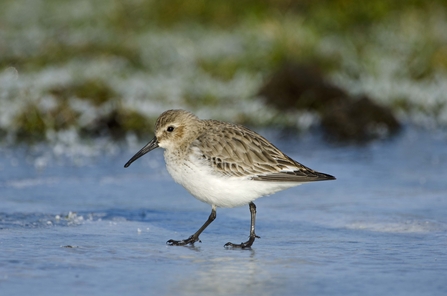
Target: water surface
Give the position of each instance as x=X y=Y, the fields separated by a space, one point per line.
x=79 y=223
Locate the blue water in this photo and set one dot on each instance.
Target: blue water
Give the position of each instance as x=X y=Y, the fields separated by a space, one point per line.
x=82 y=224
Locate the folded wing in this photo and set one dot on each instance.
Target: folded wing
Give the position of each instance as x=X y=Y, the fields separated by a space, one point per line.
x=236 y=151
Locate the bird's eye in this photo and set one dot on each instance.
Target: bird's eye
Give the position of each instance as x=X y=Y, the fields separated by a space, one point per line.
x=170 y=128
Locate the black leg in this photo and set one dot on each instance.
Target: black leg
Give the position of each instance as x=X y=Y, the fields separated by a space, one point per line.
x=253 y=236
x=195 y=237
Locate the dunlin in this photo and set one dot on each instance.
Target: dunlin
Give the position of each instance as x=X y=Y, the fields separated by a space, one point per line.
x=223 y=165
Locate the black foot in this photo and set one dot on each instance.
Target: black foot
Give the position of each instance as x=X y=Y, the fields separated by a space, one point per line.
x=246 y=245
x=189 y=241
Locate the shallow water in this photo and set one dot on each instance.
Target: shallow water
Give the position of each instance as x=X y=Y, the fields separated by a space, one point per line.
x=74 y=225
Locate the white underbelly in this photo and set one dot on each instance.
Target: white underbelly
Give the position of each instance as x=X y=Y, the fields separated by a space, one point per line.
x=218 y=190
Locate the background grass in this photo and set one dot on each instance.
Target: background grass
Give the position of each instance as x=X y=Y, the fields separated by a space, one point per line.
x=110 y=67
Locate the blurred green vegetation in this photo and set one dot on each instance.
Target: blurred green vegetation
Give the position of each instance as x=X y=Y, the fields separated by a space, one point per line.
x=269 y=33
x=93 y=90
x=32 y=122
x=57 y=52
x=128 y=18
x=326 y=15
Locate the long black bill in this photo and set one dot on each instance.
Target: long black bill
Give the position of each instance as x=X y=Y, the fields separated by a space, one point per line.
x=148 y=147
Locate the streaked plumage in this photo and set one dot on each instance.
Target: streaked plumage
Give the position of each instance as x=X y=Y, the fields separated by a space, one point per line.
x=223 y=164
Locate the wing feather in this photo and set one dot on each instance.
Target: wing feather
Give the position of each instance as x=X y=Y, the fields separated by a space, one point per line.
x=233 y=150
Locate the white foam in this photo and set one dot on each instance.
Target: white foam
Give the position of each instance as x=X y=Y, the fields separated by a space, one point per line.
x=409 y=226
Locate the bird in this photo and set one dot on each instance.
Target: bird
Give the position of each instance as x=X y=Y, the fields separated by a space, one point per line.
x=223 y=164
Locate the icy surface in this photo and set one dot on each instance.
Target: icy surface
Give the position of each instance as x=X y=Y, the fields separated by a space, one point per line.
x=78 y=223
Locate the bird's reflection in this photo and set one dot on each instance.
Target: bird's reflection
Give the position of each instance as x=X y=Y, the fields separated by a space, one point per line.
x=235 y=272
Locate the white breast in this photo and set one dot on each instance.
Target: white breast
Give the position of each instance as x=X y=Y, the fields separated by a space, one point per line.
x=221 y=191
